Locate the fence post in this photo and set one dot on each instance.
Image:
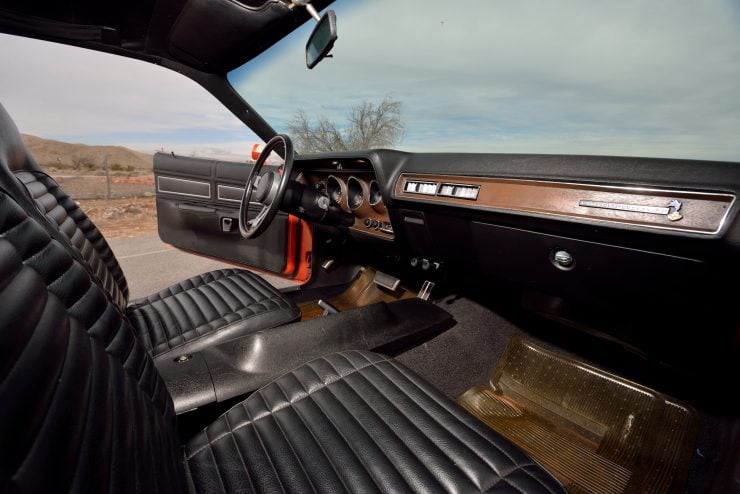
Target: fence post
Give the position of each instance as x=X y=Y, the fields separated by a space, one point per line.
x=107 y=177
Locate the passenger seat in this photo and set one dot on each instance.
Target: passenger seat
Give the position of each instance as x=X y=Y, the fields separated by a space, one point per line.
x=83 y=408
x=202 y=311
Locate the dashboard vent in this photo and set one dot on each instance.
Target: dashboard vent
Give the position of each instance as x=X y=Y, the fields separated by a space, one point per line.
x=419 y=187
x=460 y=191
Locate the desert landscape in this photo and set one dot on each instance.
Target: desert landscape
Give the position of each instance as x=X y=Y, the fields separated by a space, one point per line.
x=120 y=202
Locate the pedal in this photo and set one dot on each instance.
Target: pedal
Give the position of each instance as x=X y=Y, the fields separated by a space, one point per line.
x=328 y=265
x=387 y=281
x=426 y=290
x=328 y=308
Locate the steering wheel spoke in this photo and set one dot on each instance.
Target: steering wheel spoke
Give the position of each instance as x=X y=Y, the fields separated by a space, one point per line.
x=268 y=189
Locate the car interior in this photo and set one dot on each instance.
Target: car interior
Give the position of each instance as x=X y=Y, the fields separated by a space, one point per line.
x=462 y=322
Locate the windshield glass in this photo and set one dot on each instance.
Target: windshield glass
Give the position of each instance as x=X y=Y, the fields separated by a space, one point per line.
x=634 y=78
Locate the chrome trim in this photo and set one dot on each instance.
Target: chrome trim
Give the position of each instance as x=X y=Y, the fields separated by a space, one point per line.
x=362 y=193
x=618 y=206
x=614 y=188
x=436 y=187
x=369 y=193
x=218 y=192
x=159 y=187
x=339 y=182
x=476 y=187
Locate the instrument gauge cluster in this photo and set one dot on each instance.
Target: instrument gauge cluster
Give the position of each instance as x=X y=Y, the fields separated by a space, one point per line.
x=357 y=192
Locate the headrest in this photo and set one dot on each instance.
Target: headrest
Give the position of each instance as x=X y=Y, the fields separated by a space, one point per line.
x=14 y=155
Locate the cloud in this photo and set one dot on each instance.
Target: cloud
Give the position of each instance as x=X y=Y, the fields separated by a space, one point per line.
x=647 y=78
x=632 y=77
x=79 y=95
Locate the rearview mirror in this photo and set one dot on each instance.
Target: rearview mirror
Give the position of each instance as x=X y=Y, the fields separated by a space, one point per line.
x=322 y=39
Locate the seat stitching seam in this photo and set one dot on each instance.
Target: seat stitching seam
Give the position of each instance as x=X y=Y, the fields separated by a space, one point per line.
x=262 y=444
x=484 y=460
x=239 y=452
x=177 y=325
x=204 y=291
x=413 y=424
x=371 y=409
x=316 y=440
x=336 y=427
x=215 y=461
x=287 y=440
x=196 y=305
x=283 y=406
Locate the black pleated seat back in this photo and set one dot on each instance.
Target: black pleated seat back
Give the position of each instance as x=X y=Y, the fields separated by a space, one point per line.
x=82 y=407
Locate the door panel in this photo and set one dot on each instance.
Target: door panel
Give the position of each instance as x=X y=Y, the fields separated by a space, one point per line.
x=197 y=210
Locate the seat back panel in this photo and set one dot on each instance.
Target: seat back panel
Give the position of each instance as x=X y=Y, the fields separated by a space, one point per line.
x=68 y=217
x=83 y=407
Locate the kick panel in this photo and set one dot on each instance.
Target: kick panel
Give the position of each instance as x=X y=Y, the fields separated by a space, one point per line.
x=695 y=212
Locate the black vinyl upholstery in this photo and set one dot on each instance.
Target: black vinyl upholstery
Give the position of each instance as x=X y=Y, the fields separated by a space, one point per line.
x=84 y=409
x=208 y=309
x=356 y=422
x=204 y=310
x=62 y=211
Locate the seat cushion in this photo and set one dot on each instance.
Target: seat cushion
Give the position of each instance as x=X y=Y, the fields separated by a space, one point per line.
x=208 y=309
x=356 y=421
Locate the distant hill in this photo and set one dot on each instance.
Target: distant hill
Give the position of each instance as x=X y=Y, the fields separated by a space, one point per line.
x=64 y=155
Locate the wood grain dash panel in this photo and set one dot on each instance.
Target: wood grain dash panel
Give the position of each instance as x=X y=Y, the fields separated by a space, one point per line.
x=702 y=212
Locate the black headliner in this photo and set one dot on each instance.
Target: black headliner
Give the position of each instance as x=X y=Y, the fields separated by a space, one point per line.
x=201 y=39
x=211 y=36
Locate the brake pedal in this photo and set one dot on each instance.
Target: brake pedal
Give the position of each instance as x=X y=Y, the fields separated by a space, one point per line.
x=387 y=281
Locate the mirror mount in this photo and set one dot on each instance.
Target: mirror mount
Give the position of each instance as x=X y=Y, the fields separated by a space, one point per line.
x=311 y=9
x=322 y=37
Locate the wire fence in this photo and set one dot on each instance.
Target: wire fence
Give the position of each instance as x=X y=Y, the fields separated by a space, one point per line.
x=106 y=187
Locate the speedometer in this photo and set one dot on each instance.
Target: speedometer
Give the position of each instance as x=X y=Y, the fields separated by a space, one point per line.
x=355 y=193
x=334 y=188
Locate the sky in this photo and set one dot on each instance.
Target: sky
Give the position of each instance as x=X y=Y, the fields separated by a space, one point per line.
x=635 y=78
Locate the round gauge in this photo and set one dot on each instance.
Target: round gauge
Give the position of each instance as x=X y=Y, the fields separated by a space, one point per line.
x=375 y=196
x=355 y=196
x=334 y=188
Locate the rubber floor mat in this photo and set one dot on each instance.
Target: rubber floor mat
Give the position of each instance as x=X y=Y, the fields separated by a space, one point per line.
x=596 y=432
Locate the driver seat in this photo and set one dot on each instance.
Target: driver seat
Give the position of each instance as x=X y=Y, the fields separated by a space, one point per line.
x=196 y=313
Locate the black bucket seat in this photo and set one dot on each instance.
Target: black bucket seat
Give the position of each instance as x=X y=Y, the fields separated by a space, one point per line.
x=201 y=311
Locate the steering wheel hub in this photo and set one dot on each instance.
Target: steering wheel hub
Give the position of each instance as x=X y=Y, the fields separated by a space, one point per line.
x=264 y=187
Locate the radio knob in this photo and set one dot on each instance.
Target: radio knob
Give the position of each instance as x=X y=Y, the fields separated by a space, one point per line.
x=563 y=259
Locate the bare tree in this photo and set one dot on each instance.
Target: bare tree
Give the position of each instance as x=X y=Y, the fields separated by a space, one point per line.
x=369 y=125
x=83 y=161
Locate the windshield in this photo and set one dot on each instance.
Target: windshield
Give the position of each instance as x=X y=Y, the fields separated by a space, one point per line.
x=645 y=78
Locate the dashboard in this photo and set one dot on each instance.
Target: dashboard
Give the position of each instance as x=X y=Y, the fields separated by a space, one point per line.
x=355 y=187
x=636 y=248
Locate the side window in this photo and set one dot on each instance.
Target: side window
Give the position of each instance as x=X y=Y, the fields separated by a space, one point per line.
x=94 y=120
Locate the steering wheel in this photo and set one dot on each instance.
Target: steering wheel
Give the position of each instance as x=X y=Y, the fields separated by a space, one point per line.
x=266 y=189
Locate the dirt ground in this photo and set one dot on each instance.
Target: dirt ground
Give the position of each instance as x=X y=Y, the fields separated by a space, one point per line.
x=131 y=212
x=122 y=217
